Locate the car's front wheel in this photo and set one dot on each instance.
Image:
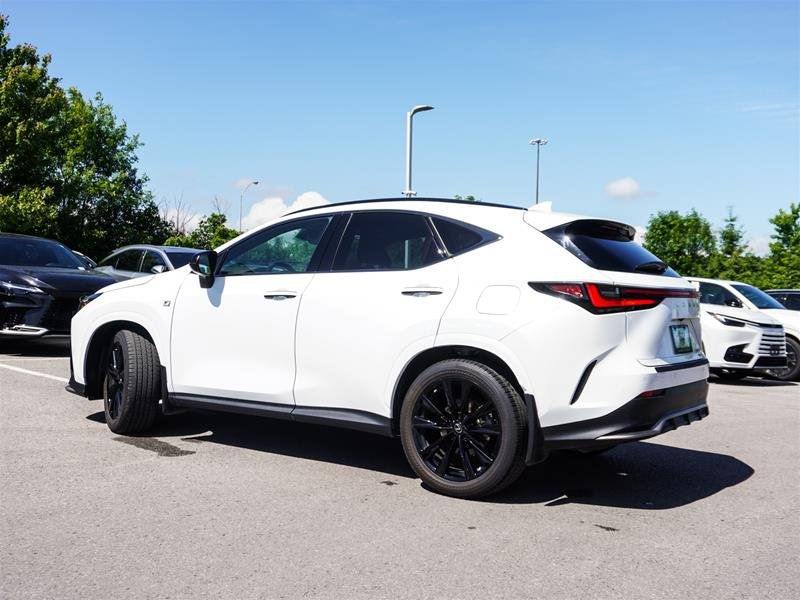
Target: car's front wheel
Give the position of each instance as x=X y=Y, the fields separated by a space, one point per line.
x=463 y=429
x=792 y=370
x=131 y=383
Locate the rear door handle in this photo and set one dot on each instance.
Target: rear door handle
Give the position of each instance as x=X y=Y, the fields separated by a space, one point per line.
x=421 y=292
x=280 y=295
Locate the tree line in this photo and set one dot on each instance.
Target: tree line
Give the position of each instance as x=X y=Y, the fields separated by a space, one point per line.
x=691 y=246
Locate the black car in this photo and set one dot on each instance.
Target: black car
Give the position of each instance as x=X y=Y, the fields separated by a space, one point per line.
x=789 y=298
x=41 y=282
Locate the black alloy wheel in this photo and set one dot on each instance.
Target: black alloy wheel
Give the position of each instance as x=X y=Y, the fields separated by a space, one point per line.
x=463 y=428
x=114 y=384
x=456 y=429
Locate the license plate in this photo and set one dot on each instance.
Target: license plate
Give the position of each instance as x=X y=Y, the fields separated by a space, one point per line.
x=681 y=339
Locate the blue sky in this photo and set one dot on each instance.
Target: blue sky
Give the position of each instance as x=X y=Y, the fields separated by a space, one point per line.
x=695 y=102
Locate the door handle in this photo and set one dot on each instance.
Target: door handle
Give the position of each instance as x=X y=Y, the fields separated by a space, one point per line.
x=281 y=295
x=422 y=292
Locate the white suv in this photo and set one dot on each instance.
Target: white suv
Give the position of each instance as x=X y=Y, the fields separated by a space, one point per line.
x=747 y=332
x=483 y=335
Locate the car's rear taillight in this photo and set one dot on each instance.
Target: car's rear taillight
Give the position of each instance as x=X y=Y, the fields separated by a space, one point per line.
x=602 y=298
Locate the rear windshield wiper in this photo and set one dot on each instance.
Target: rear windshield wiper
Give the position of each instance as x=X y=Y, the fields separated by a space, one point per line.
x=653 y=266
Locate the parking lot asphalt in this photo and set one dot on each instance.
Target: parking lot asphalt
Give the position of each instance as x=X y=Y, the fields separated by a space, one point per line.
x=223 y=506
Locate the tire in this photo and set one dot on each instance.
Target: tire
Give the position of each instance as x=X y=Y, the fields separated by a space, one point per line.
x=456 y=415
x=792 y=371
x=131 y=385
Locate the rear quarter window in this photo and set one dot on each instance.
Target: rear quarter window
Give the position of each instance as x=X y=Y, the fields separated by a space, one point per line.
x=608 y=246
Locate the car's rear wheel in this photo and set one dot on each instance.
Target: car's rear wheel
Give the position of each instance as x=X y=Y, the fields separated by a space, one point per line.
x=131 y=384
x=463 y=429
x=792 y=370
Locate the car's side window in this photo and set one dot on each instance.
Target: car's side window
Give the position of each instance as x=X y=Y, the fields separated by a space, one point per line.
x=129 y=260
x=109 y=261
x=285 y=248
x=792 y=301
x=385 y=241
x=457 y=237
x=711 y=293
x=151 y=259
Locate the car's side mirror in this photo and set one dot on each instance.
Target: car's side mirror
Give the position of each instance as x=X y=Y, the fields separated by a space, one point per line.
x=158 y=269
x=204 y=264
x=734 y=303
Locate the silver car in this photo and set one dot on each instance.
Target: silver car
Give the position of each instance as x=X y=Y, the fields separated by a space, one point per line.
x=140 y=260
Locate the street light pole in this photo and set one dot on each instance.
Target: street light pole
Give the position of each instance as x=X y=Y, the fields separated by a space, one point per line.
x=408 y=192
x=241 y=201
x=538 y=142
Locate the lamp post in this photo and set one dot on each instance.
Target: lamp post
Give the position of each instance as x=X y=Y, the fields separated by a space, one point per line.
x=408 y=192
x=538 y=142
x=241 y=201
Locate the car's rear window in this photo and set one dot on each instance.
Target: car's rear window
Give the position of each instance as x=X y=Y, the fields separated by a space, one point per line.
x=179 y=259
x=608 y=246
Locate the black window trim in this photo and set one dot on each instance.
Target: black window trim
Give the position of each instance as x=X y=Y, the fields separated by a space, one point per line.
x=315 y=258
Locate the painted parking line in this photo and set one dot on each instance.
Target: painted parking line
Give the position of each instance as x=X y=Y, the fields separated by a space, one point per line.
x=36 y=373
x=4 y=358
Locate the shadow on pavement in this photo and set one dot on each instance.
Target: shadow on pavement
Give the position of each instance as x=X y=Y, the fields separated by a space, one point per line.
x=47 y=347
x=751 y=382
x=639 y=475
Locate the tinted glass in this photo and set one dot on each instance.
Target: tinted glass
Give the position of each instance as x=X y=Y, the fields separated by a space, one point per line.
x=457 y=238
x=29 y=252
x=711 y=293
x=151 y=259
x=286 y=248
x=608 y=246
x=756 y=296
x=384 y=241
x=129 y=260
x=179 y=259
x=792 y=302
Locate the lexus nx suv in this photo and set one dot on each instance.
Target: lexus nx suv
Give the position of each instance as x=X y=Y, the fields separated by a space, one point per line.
x=41 y=282
x=748 y=332
x=482 y=335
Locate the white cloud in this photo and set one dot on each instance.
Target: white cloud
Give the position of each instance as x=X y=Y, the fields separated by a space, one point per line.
x=627 y=187
x=759 y=245
x=273 y=206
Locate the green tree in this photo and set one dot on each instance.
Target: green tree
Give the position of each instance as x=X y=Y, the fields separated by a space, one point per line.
x=684 y=242
x=212 y=231
x=469 y=198
x=783 y=262
x=67 y=167
x=734 y=260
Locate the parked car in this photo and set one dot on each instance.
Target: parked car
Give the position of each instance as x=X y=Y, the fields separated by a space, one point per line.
x=482 y=335
x=142 y=260
x=87 y=262
x=788 y=298
x=41 y=282
x=745 y=331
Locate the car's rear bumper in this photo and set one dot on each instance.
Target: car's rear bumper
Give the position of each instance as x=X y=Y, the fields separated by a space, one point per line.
x=638 y=419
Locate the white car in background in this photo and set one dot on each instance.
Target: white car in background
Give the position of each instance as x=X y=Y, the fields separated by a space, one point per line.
x=741 y=332
x=482 y=335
